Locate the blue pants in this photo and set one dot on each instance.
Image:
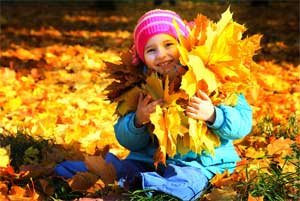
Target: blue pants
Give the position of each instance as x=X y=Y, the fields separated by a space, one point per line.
x=186 y=183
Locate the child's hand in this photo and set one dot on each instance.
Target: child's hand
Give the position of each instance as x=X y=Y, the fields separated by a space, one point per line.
x=145 y=107
x=200 y=107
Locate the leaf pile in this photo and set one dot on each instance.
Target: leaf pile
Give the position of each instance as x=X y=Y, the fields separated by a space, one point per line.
x=52 y=83
x=43 y=103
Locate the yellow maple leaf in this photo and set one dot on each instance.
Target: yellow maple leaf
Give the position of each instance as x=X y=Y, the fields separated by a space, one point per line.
x=169 y=97
x=167 y=128
x=128 y=101
x=154 y=86
x=252 y=152
x=161 y=131
x=4 y=157
x=201 y=138
x=196 y=73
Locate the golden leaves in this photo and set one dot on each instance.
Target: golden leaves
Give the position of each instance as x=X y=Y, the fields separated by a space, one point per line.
x=223 y=53
x=128 y=101
x=280 y=147
x=218 y=62
x=4 y=157
x=197 y=73
x=60 y=105
x=217 y=65
x=167 y=123
x=154 y=86
x=66 y=103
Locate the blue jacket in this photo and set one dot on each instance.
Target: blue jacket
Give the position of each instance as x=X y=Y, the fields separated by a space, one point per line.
x=231 y=123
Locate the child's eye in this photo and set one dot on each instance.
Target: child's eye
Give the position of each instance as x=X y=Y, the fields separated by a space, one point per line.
x=150 y=50
x=169 y=44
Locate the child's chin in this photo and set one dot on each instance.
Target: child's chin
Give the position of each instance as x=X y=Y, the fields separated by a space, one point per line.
x=169 y=69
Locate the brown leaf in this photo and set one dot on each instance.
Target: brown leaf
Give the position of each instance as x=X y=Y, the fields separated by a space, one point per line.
x=225 y=193
x=98 y=166
x=48 y=189
x=82 y=181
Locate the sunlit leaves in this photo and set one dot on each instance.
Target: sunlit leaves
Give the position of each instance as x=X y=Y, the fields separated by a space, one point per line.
x=4 y=157
x=128 y=101
x=218 y=65
x=154 y=86
x=224 y=56
x=281 y=147
x=46 y=107
x=167 y=123
x=48 y=91
x=193 y=79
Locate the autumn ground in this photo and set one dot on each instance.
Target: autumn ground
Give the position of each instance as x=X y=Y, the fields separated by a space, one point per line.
x=53 y=107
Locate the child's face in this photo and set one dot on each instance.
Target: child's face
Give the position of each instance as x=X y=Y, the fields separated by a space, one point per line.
x=161 y=53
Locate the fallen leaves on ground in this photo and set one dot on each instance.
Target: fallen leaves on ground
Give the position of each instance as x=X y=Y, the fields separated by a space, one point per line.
x=54 y=89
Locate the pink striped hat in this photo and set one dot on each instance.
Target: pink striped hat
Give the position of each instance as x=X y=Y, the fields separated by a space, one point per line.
x=156 y=22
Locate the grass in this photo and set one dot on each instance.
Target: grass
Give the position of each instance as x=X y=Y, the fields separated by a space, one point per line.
x=278 y=185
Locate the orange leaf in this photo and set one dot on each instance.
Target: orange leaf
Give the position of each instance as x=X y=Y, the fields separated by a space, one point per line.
x=280 y=147
x=251 y=198
x=17 y=192
x=220 y=180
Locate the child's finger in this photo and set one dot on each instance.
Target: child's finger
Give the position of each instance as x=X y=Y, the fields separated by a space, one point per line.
x=190 y=109
x=195 y=105
x=140 y=97
x=153 y=104
x=147 y=99
x=202 y=95
x=195 y=99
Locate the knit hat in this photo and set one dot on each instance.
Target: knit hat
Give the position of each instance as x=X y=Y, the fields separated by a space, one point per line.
x=156 y=22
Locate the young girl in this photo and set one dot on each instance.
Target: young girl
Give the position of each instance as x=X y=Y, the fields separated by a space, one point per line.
x=185 y=176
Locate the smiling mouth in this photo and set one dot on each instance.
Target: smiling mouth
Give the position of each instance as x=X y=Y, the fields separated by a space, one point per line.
x=165 y=63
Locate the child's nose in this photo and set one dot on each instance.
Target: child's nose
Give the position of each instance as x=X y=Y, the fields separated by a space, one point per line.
x=161 y=52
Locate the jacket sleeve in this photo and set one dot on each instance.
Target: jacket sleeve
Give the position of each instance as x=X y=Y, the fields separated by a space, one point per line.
x=129 y=136
x=233 y=122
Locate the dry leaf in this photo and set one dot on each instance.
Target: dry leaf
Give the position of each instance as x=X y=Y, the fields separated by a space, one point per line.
x=225 y=193
x=98 y=166
x=280 y=147
x=82 y=181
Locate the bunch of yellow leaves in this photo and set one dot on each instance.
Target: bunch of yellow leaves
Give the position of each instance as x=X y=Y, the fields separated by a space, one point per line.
x=218 y=62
